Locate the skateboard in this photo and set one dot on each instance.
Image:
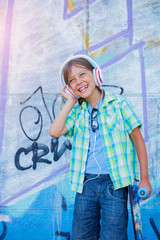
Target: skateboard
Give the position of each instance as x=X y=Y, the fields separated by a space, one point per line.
x=135 y=195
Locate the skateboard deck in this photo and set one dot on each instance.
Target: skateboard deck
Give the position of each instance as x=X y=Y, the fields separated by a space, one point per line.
x=135 y=196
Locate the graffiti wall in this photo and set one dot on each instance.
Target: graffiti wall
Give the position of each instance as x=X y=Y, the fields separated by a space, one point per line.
x=36 y=36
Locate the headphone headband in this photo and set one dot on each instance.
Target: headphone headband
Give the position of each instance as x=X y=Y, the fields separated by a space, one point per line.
x=88 y=58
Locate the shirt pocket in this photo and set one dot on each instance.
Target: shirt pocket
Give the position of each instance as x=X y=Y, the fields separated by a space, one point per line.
x=112 y=121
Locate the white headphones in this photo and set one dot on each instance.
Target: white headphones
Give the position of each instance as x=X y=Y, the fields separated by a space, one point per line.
x=97 y=75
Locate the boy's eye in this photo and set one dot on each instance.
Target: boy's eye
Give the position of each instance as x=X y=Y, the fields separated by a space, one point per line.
x=82 y=74
x=71 y=80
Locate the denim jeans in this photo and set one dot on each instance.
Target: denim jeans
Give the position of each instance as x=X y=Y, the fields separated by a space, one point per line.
x=100 y=212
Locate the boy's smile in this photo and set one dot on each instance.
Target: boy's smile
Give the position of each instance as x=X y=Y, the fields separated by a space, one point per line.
x=84 y=88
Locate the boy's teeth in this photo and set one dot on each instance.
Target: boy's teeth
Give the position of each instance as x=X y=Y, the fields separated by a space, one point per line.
x=83 y=88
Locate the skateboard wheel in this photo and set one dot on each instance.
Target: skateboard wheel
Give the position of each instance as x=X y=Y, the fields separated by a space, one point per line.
x=143 y=192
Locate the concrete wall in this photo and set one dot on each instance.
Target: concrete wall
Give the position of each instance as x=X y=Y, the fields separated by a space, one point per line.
x=36 y=36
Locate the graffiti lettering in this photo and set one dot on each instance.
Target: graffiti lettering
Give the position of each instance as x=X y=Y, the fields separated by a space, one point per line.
x=54 y=148
x=39 y=151
x=39 y=120
x=37 y=156
x=41 y=91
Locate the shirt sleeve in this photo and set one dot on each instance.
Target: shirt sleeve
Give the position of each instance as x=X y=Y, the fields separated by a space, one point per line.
x=129 y=116
x=70 y=121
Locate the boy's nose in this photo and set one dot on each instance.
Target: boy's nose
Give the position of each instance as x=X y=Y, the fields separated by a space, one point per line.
x=78 y=81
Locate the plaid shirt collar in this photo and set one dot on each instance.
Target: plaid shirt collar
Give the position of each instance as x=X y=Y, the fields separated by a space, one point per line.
x=109 y=97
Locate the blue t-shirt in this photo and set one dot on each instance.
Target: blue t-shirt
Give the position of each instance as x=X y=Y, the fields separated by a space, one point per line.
x=95 y=151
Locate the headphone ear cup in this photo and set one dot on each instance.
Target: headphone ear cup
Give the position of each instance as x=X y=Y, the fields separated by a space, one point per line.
x=97 y=77
x=68 y=91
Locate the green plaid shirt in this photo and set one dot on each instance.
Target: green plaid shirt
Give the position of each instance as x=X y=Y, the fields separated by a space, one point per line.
x=116 y=120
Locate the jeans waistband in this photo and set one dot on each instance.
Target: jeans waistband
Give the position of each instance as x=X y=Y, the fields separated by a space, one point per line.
x=96 y=176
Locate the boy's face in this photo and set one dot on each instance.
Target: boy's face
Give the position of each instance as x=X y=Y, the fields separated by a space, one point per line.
x=81 y=81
